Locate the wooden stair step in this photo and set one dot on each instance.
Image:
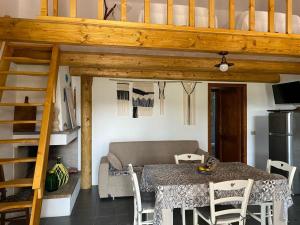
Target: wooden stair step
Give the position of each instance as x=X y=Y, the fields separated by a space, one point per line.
x=6 y=88
x=20 y=104
x=20 y=121
x=20 y=141
x=26 y=60
x=30 y=46
x=22 y=182
x=5 y=206
x=17 y=160
x=25 y=73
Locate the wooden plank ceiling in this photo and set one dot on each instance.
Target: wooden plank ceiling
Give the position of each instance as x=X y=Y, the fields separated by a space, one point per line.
x=146 y=62
x=174 y=68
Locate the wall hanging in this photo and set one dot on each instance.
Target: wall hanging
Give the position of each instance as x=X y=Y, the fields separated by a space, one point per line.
x=71 y=106
x=123 y=99
x=189 y=107
x=142 y=99
x=161 y=95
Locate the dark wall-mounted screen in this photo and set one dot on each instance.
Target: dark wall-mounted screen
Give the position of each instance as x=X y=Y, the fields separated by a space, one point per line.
x=287 y=93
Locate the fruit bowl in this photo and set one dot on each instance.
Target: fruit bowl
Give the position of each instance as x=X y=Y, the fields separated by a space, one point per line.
x=204 y=170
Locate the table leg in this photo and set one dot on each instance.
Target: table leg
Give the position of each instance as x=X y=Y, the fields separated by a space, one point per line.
x=167 y=216
x=278 y=218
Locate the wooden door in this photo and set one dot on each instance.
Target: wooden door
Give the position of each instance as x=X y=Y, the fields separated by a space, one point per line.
x=230 y=122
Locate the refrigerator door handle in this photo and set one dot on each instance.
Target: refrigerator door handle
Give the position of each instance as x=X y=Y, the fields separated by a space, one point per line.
x=279 y=135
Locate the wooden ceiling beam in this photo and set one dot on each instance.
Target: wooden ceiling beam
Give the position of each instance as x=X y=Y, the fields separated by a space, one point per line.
x=75 y=31
x=176 y=75
x=144 y=62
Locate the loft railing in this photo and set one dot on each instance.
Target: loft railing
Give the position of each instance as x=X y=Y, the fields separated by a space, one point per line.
x=191 y=11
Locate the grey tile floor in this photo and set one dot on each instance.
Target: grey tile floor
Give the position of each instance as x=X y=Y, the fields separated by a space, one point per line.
x=90 y=210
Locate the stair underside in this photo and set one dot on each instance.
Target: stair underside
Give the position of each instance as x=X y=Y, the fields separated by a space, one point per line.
x=23 y=182
x=20 y=104
x=17 y=160
x=25 y=73
x=30 y=46
x=6 y=206
x=20 y=121
x=26 y=60
x=20 y=141
x=7 y=88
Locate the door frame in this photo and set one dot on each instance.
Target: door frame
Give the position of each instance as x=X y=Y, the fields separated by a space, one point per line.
x=212 y=86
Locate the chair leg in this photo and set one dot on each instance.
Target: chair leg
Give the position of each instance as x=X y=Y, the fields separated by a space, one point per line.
x=139 y=219
x=270 y=216
x=134 y=213
x=2 y=218
x=263 y=214
x=183 y=215
x=195 y=217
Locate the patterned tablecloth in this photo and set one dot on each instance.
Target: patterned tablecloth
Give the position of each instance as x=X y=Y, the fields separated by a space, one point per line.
x=178 y=186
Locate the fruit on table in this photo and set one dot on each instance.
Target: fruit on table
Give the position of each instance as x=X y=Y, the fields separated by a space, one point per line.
x=203 y=168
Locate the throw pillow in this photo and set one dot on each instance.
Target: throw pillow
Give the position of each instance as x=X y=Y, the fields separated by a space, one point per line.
x=114 y=161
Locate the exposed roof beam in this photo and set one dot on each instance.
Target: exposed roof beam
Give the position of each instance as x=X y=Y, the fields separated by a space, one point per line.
x=127 y=34
x=175 y=75
x=144 y=62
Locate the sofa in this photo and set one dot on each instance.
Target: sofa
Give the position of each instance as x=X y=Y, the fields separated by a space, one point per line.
x=114 y=180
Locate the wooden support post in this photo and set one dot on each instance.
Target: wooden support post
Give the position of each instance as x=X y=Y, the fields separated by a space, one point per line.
x=211 y=19
x=73 y=8
x=192 y=13
x=170 y=12
x=232 y=14
x=55 y=7
x=289 y=16
x=4 y=65
x=252 y=15
x=44 y=7
x=146 y=11
x=271 y=16
x=123 y=10
x=86 y=132
x=100 y=10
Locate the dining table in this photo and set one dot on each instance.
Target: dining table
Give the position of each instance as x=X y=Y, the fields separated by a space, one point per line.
x=182 y=185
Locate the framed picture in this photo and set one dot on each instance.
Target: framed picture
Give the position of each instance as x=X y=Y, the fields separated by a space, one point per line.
x=71 y=106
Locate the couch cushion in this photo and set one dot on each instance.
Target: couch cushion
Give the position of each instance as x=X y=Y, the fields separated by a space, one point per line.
x=114 y=161
x=151 y=152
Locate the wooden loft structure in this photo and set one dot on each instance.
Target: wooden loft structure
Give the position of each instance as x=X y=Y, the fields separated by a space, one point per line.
x=54 y=29
x=47 y=32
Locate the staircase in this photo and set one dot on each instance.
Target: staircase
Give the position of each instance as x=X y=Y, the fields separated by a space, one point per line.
x=29 y=54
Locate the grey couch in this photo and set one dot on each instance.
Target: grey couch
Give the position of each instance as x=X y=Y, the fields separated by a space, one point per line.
x=138 y=154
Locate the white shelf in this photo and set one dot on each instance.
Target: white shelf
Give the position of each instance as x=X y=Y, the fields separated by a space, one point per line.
x=59 y=138
x=58 y=203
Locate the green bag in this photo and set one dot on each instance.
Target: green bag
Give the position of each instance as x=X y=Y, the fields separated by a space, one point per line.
x=61 y=172
x=52 y=182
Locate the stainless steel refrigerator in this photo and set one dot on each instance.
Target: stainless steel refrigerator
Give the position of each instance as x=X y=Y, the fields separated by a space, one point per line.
x=284 y=140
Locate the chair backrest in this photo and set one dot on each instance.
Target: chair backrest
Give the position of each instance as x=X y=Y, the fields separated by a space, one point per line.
x=241 y=198
x=188 y=157
x=283 y=166
x=135 y=188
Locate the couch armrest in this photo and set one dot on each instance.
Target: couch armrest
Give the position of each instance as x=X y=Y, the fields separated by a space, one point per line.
x=103 y=184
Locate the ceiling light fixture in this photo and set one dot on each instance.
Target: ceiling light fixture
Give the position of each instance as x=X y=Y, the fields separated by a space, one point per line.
x=224 y=65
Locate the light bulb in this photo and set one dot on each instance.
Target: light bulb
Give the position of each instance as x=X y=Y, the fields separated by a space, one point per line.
x=224 y=67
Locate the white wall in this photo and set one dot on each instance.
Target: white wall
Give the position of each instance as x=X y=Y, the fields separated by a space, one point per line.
x=108 y=127
x=9 y=8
